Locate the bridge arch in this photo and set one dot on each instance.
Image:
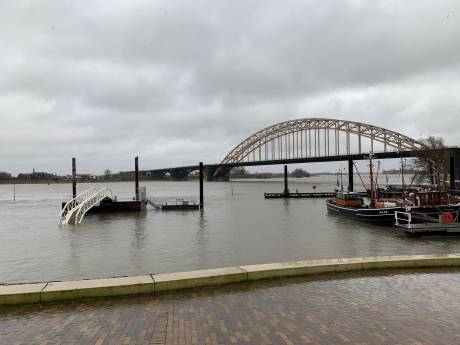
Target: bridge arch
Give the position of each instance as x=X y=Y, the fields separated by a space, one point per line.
x=317 y=137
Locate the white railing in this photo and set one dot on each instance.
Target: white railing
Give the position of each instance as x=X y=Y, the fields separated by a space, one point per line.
x=90 y=202
x=407 y=219
x=67 y=212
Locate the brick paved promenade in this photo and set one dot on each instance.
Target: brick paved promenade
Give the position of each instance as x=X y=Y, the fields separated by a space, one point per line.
x=407 y=307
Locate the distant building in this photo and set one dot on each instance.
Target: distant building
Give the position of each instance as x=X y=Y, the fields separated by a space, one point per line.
x=126 y=174
x=37 y=176
x=4 y=175
x=86 y=177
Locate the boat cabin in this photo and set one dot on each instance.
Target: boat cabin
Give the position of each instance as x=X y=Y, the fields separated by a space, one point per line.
x=430 y=199
x=347 y=199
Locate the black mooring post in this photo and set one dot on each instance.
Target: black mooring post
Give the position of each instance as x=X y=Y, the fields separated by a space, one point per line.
x=136 y=177
x=74 y=178
x=452 y=172
x=350 y=175
x=286 y=189
x=201 y=186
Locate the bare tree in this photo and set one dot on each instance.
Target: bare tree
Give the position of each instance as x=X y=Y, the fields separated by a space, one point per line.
x=239 y=171
x=430 y=161
x=299 y=173
x=5 y=175
x=107 y=173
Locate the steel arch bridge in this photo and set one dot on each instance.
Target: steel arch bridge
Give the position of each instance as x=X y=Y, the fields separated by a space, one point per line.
x=318 y=137
x=303 y=141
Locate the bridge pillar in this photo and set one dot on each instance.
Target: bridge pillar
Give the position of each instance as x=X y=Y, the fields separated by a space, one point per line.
x=158 y=174
x=217 y=173
x=457 y=164
x=350 y=175
x=210 y=171
x=201 y=186
x=453 y=166
x=286 y=188
x=74 y=178
x=178 y=174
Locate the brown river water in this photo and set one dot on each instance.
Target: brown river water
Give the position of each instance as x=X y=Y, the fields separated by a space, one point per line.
x=238 y=226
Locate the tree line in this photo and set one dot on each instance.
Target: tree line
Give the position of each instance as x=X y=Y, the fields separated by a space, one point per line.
x=243 y=172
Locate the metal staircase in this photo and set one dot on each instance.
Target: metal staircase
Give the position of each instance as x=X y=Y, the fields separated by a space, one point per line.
x=71 y=205
x=74 y=210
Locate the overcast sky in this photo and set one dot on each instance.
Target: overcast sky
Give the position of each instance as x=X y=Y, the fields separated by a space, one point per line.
x=177 y=82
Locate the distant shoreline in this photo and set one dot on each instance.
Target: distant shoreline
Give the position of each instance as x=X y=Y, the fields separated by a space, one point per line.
x=246 y=178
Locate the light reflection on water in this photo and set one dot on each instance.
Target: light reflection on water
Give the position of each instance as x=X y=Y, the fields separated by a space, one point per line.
x=235 y=228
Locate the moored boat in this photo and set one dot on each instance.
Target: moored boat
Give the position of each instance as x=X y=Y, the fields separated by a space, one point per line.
x=351 y=204
x=423 y=204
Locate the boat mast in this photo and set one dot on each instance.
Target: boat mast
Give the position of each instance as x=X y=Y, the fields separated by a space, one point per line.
x=372 y=179
x=341 y=179
x=377 y=191
x=403 y=181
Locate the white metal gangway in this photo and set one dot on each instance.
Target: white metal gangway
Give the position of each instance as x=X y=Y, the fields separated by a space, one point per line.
x=71 y=205
x=74 y=210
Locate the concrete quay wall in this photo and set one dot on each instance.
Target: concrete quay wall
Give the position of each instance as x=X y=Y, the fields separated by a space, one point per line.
x=168 y=282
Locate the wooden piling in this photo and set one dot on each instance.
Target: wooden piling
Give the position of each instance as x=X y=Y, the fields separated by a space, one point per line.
x=136 y=177
x=201 y=186
x=74 y=178
x=286 y=188
x=350 y=175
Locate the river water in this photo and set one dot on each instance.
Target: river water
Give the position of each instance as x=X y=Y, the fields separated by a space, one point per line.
x=238 y=226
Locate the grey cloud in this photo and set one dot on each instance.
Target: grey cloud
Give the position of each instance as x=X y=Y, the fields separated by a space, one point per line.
x=177 y=82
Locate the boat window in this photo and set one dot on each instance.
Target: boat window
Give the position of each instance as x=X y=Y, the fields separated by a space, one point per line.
x=348 y=196
x=353 y=196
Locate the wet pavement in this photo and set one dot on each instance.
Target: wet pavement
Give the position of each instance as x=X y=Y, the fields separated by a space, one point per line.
x=384 y=307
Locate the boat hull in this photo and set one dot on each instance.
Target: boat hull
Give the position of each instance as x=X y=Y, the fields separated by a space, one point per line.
x=434 y=211
x=384 y=216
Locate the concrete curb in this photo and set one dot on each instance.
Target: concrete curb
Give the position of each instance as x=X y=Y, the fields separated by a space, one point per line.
x=166 y=282
x=193 y=279
x=70 y=290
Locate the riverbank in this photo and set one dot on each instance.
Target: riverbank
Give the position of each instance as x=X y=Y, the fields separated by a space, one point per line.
x=168 y=282
x=236 y=178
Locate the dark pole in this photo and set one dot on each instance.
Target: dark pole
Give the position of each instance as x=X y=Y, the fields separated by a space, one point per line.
x=350 y=175
x=74 y=178
x=371 y=167
x=136 y=177
x=201 y=186
x=341 y=178
x=286 y=189
x=452 y=172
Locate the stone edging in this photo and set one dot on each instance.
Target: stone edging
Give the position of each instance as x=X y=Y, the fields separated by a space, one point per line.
x=73 y=290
